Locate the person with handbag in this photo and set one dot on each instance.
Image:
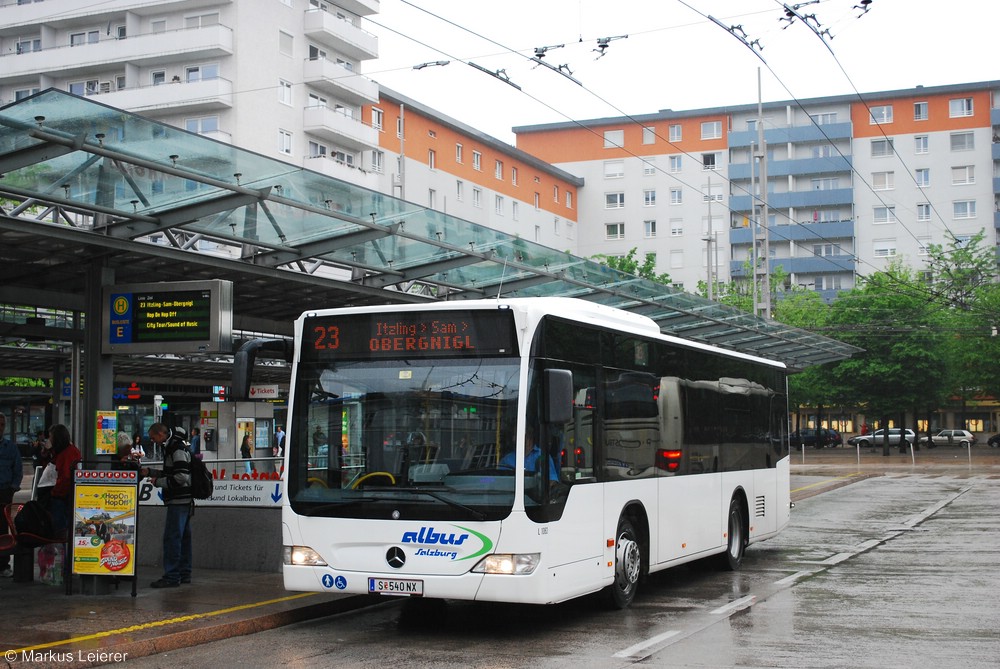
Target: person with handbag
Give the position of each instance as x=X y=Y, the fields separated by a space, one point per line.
x=64 y=456
x=11 y=471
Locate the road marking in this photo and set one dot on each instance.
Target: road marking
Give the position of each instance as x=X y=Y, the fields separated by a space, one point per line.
x=632 y=651
x=738 y=605
x=826 y=482
x=160 y=623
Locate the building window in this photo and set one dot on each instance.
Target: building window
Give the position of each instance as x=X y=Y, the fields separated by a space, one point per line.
x=157 y=77
x=285 y=43
x=284 y=92
x=826 y=118
x=317 y=150
x=649 y=197
x=711 y=130
x=201 y=20
x=458 y=153
x=884 y=248
x=675 y=164
x=513 y=175
x=960 y=107
x=825 y=183
x=675 y=133
x=648 y=135
x=923 y=177
x=962 y=141
x=515 y=210
x=537 y=199
x=431 y=159
x=498 y=205
x=881 y=148
x=614 y=200
x=920 y=144
x=378 y=117
x=378 y=162
x=285 y=142
x=555 y=193
x=158 y=26
x=924 y=211
x=202 y=125
x=498 y=169
x=614 y=139
x=614 y=231
x=648 y=167
x=90 y=37
x=400 y=127
x=477 y=197
x=711 y=192
x=884 y=215
x=569 y=199
x=649 y=229
x=919 y=111
x=316 y=101
x=459 y=190
x=962 y=175
x=676 y=227
x=964 y=208
x=880 y=115
x=28 y=44
x=676 y=196
x=676 y=259
x=204 y=73
x=431 y=198
x=477 y=161
x=614 y=169
x=708 y=161
x=883 y=180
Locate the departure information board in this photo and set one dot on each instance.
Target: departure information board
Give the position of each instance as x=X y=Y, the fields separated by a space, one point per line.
x=169 y=317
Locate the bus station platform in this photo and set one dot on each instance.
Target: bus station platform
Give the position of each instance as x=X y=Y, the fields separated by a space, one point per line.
x=42 y=626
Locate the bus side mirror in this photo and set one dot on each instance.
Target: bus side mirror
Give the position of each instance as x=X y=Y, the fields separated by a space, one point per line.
x=243 y=362
x=558 y=400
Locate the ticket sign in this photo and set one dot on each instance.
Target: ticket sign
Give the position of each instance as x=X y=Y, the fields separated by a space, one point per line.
x=168 y=317
x=104 y=505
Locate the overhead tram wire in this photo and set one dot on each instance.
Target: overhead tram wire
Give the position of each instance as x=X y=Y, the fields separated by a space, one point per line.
x=632 y=119
x=772 y=230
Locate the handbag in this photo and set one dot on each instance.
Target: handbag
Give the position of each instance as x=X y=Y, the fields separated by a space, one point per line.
x=48 y=477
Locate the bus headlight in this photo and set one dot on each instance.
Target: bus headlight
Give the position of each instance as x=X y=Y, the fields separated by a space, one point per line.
x=302 y=556
x=508 y=563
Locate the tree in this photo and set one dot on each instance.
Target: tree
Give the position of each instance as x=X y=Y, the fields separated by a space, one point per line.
x=630 y=265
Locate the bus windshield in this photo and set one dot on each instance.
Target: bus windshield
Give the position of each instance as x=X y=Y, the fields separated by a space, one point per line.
x=414 y=437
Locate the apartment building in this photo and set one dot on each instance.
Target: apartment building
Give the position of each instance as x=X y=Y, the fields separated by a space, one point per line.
x=435 y=161
x=277 y=77
x=852 y=183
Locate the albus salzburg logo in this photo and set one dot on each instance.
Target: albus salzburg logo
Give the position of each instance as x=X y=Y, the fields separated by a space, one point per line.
x=429 y=539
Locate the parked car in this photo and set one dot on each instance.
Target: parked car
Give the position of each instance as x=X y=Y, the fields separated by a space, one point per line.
x=877 y=438
x=994 y=441
x=815 y=437
x=962 y=438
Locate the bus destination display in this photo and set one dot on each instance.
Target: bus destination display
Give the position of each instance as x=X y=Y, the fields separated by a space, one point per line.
x=434 y=334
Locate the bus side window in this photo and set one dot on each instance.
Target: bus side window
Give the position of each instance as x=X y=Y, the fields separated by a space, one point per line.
x=576 y=457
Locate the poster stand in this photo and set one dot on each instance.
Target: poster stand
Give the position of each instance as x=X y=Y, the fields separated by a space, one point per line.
x=104 y=529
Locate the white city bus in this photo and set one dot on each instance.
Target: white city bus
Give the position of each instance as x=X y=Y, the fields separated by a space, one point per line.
x=521 y=450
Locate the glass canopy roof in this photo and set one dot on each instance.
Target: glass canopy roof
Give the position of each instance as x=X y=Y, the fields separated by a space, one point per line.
x=138 y=177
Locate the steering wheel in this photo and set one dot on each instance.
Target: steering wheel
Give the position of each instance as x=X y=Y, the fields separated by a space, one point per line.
x=388 y=475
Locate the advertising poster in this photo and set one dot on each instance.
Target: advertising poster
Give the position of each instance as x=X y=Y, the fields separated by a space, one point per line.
x=104 y=522
x=106 y=433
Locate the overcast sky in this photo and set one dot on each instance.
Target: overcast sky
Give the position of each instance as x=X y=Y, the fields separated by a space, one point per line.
x=673 y=56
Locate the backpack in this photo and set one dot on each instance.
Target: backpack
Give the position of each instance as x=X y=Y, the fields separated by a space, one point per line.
x=34 y=518
x=202 y=484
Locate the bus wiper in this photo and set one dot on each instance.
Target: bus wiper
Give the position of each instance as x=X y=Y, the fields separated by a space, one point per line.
x=478 y=515
x=316 y=510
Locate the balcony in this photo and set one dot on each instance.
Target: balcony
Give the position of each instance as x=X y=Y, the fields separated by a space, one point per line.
x=360 y=7
x=340 y=34
x=337 y=127
x=339 y=82
x=810 y=199
x=794 y=134
x=803 y=265
x=796 y=167
x=802 y=232
x=341 y=170
x=190 y=97
x=173 y=46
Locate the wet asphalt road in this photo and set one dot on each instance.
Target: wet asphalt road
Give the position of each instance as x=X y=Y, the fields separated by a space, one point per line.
x=892 y=571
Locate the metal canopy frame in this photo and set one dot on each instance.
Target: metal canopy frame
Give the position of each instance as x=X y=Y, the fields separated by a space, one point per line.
x=88 y=182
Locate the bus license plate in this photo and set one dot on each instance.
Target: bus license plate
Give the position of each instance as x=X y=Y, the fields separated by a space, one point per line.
x=395 y=586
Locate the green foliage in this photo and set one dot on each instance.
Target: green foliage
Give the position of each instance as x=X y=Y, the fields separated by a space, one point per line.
x=630 y=265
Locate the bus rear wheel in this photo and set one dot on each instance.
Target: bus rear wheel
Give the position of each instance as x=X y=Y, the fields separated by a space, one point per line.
x=736 y=546
x=628 y=566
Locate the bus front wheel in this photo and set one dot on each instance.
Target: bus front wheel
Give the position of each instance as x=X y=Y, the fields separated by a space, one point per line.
x=732 y=559
x=628 y=566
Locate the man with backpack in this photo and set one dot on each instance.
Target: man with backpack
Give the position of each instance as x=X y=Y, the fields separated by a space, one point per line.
x=175 y=481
